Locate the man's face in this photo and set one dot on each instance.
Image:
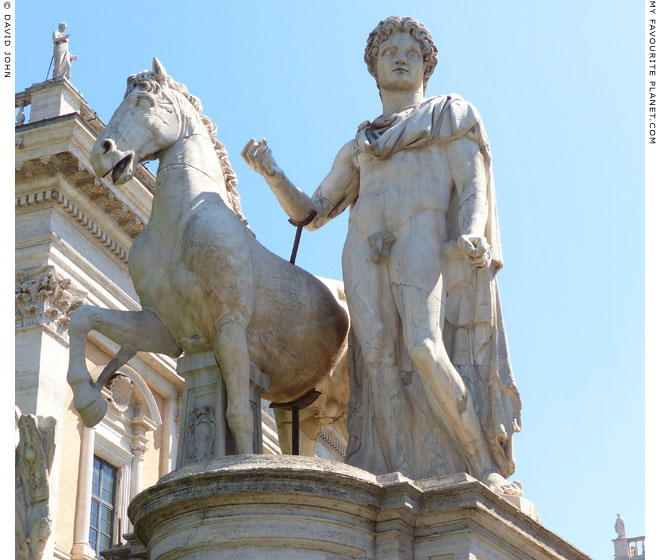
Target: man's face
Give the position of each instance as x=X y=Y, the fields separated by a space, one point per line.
x=400 y=66
x=62 y=27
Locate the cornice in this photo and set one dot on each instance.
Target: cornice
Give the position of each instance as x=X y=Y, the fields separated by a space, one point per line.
x=91 y=122
x=69 y=166
x=52 y=195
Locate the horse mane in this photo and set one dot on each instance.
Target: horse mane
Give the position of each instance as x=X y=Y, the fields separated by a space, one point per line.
x=148 y=77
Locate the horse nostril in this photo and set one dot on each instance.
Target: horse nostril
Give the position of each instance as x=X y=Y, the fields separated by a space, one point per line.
x=107 y=146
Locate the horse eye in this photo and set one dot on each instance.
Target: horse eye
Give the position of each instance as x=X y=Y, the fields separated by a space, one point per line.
x=146 y=102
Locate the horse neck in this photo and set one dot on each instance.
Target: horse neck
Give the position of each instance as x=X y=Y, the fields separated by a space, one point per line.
x=193 y=152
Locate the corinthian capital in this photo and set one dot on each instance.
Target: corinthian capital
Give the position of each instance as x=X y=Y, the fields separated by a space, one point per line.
x=45 y=298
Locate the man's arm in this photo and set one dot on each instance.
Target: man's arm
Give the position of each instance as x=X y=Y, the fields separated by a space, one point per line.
x=468 y=170
x=335 y=193
x=59 y=37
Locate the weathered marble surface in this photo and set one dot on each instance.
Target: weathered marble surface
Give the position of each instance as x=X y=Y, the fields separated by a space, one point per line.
x=284 y=507
x=34 y=458
x=61 y=57
x=432 y=391
x=204 y=282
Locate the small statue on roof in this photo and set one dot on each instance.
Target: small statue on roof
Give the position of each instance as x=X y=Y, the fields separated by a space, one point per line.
x=620 y=526
x=61 y=57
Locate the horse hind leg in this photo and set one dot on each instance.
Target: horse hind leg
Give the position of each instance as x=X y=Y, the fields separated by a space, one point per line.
x=231 y=353
x=132 y=330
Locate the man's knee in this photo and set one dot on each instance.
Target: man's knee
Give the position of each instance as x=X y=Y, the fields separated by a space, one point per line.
x=421 y=344
x=422 y=354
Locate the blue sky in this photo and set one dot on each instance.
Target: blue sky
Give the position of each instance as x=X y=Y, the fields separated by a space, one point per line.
x=559 y=87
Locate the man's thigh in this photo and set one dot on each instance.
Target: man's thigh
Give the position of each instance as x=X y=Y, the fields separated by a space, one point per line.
x=371 y=304
x=416 y=273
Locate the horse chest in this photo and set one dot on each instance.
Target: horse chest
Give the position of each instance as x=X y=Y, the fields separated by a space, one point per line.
x=166 y=285
x=151 y=263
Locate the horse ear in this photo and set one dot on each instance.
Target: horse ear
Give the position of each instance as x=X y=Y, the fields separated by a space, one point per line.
x=159 y=72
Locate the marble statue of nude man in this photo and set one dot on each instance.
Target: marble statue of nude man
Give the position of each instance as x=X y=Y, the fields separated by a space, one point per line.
x=421 y=253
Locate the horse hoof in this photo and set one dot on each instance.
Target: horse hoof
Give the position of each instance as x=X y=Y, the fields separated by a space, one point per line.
x=91 y=409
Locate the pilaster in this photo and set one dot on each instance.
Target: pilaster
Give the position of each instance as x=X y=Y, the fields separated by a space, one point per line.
x=81 y=549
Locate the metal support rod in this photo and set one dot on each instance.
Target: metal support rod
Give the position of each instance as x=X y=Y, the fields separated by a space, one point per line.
x=295 y=431
x=51 y=63
x=295 y=406
x=300 y=225
x=309 y=397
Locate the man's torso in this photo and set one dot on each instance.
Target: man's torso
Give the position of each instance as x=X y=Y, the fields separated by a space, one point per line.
x=393 y=190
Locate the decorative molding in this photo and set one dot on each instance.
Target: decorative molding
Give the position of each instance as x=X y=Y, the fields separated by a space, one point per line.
x=69 y=166
x=139 y=447
x=60 y=554
x=121 y=388
x=331 y=441
x=46 y=299
x=53 y=195
x=199 y=435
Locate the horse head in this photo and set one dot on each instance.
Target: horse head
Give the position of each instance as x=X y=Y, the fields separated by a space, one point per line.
x=150 y=119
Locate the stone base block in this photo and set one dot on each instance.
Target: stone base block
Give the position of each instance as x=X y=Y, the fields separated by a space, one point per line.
x=289 y=508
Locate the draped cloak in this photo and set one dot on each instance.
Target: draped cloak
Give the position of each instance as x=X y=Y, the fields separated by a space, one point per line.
x=61 y=57
x=473 y=330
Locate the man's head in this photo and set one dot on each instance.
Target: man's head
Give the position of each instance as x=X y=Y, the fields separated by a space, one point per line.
x=386 y=28
x=62 y=27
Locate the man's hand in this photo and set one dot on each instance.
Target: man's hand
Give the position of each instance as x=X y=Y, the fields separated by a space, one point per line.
x=476 y=250
x=260 y=158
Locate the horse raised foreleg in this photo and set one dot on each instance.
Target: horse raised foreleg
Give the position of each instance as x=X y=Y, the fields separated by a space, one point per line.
x=231 y=352
x=133 y=330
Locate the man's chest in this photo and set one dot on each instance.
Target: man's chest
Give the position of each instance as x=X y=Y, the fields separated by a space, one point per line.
x=408 y=177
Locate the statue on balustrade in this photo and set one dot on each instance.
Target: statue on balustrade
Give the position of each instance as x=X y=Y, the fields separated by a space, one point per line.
x=61 y=57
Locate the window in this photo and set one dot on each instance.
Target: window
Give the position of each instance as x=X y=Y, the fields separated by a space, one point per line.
x=102 y=515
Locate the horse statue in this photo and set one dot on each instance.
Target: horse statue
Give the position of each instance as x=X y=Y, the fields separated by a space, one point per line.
x=203 y=280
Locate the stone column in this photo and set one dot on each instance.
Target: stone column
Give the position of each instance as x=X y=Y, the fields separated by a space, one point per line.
x=169 y=435
x=81 y=549
x=123 y=498
x=138 y=447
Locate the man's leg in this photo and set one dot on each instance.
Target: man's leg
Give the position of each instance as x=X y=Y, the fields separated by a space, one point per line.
x=416 y=267
x=375 y=324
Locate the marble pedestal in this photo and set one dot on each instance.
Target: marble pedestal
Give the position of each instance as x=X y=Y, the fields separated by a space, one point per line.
x=205 y=430
x=289 y=508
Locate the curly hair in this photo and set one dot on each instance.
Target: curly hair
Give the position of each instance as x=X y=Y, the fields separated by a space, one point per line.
x=394 y=24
